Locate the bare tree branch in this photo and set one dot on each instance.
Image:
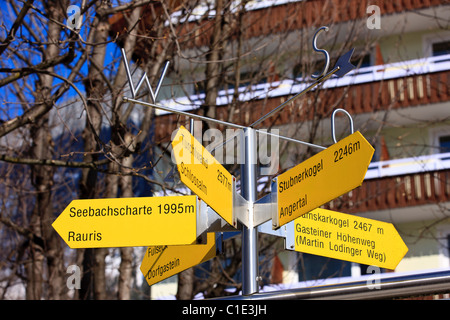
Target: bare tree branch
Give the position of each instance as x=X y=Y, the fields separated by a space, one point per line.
x=54 y=163
x=15 y=26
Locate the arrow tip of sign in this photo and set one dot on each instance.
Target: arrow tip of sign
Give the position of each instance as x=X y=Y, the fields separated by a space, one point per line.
x=344 y=64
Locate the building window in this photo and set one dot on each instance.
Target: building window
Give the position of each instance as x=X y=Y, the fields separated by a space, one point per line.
x=362 y=60
x=440 y=140
x=440 y=48
x=436 y=44
x=444 y=144
x=448 y=245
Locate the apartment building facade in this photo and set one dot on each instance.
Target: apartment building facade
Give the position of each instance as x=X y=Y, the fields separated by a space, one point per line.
x=398 y=96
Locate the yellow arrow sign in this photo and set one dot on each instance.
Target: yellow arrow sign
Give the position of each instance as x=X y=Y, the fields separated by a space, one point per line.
x=346 y=237
x=125 y=222
x=322 y=178
x=162 y=262
x=203 y=174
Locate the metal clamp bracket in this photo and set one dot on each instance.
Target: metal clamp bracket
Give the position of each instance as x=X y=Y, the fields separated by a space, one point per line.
x=333 y=127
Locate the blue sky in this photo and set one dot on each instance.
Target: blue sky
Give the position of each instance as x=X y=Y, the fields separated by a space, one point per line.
x=10 y=106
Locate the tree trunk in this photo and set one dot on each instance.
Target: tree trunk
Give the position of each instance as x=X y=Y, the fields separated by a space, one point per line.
x=94 y=279
x=42 y=180
x=126 y=263
x=185 y=285
x=213 y=65
x=119 y=144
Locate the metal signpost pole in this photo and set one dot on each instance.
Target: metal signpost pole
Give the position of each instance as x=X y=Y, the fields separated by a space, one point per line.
x=250 y=263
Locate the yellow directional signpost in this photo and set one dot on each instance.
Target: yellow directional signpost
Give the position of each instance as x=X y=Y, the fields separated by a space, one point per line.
x=128 y=222
x=321 y=178
x=203 y=174
x=162 y=262
x=347 y=237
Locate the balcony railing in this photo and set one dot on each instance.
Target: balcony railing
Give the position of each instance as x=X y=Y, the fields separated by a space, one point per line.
x=392 y=71
x=376 y=88
x=289 y=15
x=399 y=183
x=397 y=167
x=288 y=87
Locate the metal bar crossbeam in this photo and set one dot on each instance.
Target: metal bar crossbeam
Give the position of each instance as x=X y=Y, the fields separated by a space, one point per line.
x=220 y=122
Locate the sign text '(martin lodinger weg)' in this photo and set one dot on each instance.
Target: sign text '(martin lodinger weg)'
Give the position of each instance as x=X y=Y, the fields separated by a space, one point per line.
x=343 y=240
